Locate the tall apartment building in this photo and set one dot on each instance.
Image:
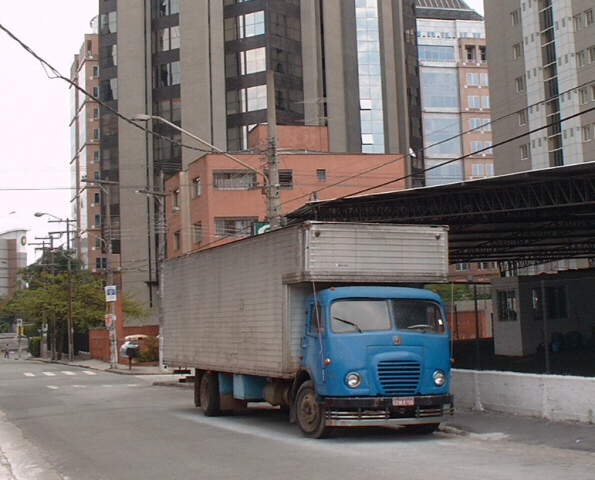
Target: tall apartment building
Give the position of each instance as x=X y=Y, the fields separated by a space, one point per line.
x=542 y=73
x=455 y=91
x=203 y=65
x=88 y=238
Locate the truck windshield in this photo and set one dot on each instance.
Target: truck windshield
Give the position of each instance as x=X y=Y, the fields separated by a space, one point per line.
x=348 y=316
x=418 y=315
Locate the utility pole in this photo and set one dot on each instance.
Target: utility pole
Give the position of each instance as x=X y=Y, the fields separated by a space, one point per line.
x=273 y=200
x=110 y=270
x=161 y=230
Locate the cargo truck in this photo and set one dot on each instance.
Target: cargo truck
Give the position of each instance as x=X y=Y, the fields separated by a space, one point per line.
x=326 y=320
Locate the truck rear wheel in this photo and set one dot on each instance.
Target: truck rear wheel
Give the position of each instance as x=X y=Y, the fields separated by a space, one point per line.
x=209 y=394
x=311 y=415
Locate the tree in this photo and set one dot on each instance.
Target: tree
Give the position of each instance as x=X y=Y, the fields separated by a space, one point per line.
x=46 y=297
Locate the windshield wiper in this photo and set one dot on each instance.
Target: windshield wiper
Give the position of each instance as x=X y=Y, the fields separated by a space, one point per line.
x=422 y=327
x=354 y=325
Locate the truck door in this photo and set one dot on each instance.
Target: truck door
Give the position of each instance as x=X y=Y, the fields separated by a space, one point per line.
x=313 y=344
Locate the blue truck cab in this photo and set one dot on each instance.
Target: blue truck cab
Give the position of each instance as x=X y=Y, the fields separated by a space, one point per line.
x=373 y=355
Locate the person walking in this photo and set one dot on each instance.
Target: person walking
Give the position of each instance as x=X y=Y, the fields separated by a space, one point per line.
x=7 y=351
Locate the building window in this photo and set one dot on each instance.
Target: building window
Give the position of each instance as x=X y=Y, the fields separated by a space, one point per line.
x=436 y=53
x=441 y=89
x=520 y=83
x=517 y=51
x=97 y=198
x=514 y=18
x=583 y=95
x=488 y=147
x=100 y=263
x=196 y=187
x=476 y=146
x=461 y=267
x=473 y=101
x=487 y=125
x=175 y=195
x=177 y=242
x=586 y=133
x=286 y=178
x=581 y=59
x=477 y=170
x=507 y=305
x=485 y=101
x=472 y=79
x=97 y=219
x=470 y=53
x=166 y=39
x=108 y=23
x=588 y=17
x=524 y=151
x=578 y=22
x=475 y=123
x=522 y=115
x=234 y=227
x=245 y=62
x=95 y=71
x=95 y=134
x=166 y=74
x=591 y=54
x=163 y=8
x=245 y=26
x=234 y=180
x=197 y=232
x=485 y=79
x=321 y=175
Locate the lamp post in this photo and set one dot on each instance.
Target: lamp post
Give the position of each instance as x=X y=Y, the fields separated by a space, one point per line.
x=272 y=188
x=69 y=267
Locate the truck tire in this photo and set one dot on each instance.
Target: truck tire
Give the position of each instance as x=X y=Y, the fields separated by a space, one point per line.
x=209 y=394
x=311 y=415
x=424 y=429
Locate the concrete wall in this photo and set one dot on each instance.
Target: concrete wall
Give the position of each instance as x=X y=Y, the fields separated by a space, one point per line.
x=553 y=397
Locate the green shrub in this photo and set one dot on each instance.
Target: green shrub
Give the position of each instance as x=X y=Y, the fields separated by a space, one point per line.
x=151 y=352
x=35 y=346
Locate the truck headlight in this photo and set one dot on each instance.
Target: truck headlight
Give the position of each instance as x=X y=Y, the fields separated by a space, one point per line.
x=353 y=380
x=439 y=378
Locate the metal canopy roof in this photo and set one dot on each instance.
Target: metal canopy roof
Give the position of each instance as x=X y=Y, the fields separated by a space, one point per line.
x=524 y=218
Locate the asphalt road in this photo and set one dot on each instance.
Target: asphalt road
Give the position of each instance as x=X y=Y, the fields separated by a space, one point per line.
x=62 y=422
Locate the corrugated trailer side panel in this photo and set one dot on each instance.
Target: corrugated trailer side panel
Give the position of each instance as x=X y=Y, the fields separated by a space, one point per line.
x=224 y=307
x=377 y=253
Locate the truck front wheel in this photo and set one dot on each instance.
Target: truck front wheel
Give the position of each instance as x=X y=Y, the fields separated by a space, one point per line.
x=311 y=415
x=209 y=394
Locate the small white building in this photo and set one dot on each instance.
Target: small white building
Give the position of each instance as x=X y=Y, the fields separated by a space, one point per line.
x=13 y=255
x=557 y=309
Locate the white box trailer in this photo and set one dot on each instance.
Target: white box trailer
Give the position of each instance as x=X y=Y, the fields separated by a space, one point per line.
x=240 y=307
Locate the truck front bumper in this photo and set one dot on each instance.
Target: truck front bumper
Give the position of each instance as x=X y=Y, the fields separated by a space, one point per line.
x=378 y=411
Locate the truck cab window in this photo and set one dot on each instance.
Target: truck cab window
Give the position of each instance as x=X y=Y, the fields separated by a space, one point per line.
x=357 y=316
x=418 y=315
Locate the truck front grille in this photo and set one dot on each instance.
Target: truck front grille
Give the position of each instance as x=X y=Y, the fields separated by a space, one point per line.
x=399 y=377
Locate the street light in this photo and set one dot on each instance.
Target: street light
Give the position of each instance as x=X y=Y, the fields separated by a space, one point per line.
x=69 y=266
x=272 y=189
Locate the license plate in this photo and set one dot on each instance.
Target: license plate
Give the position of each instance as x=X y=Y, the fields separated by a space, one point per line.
x=403 y=402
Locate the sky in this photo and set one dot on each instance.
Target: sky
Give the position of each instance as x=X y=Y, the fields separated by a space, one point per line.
x=34 y=131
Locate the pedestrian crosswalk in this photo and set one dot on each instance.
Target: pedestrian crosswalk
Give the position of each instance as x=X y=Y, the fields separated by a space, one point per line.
x=68 y=373
x=55 y=375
